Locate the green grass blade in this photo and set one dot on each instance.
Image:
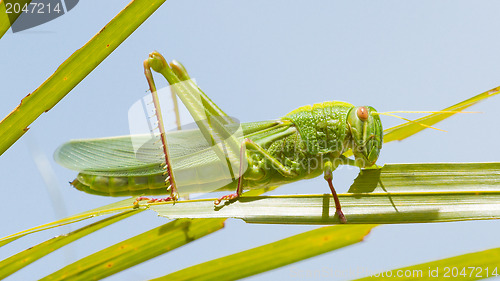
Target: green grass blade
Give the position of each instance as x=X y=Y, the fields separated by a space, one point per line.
x=472 y=266
x=137 y=249
x=7 y=19
x=396 y=193
x=408 y=129
x=274 y=255
x=124 y=205
x=116 y=207
x=74 y=69
x=26 y=257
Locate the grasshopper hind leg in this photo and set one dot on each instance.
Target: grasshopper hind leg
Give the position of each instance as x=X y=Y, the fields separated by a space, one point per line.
x=174 y=195
x=154 y=200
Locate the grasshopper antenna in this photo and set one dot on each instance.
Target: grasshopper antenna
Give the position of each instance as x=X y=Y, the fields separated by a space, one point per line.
x=390 y=113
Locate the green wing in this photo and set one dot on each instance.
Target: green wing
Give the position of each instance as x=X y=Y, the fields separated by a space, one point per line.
x=112 y=167
x=116 y=156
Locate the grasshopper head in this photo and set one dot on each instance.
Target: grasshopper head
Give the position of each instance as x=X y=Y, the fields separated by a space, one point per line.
x=366 y=132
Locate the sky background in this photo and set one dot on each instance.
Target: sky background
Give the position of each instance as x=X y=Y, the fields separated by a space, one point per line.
x=258 y=60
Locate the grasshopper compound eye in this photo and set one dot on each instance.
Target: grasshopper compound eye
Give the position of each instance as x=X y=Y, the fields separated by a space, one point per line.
x=362 y=113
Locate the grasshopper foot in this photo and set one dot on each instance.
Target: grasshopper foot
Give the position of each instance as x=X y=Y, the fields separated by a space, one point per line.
x=153 y=200
x=226 y=197
x=341 y=216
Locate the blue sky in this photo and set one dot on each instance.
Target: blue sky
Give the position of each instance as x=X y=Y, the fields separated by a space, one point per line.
x=258 y=60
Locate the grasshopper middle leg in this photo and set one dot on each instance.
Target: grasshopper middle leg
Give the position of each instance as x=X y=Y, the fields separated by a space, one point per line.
x=249 y=144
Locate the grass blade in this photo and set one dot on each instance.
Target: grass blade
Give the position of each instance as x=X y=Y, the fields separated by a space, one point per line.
x=124 y=205
x=274 y=255
x=409 y=128
x=26 y=257
x=472 y=266
x=137 y=249
x=119 y=206
x=6 y=20
x=74 y=69
x=396 y=193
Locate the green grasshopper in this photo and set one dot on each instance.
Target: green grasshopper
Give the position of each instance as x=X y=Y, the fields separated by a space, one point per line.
x=305 y=143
